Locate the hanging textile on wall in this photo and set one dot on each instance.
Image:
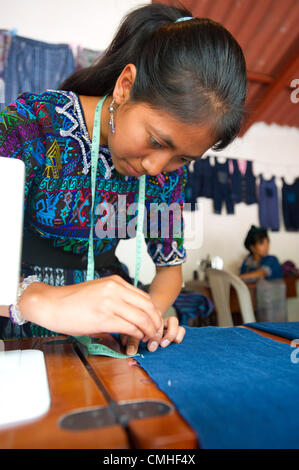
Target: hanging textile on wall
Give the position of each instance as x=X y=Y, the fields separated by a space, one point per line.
x=239 y=184
x=243 y=182
x=200 y=182
x=34 y=66
x=268 y=204
x=290 y=205
x=5 y=40
x=86 y=57
x=222 y=188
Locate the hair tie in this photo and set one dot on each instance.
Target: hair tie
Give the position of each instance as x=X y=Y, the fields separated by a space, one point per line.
x=185 y=18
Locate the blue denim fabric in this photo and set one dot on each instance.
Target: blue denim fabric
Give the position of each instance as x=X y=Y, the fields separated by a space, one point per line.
x=236 y=389
x=290 y=205
x=200 y=181
x=34 y=66
x=288 y=330
x=222 y=188
x=5 y=40
x=268 y=204
x=243 y=186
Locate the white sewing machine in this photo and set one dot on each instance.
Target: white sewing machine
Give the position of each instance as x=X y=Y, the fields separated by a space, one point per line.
x=24 y=390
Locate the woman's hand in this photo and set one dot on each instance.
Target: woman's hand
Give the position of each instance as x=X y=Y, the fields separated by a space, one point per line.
x=170 y=332
x=107 y=305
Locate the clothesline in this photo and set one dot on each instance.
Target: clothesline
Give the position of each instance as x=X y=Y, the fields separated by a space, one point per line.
x=227 y=183
x=262 y=162
x=75 y=47
x=258 y=167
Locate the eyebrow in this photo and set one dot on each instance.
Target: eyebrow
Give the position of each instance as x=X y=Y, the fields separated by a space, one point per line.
x=167 y=140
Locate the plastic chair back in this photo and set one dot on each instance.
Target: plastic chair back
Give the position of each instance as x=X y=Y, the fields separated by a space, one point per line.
x=220 y=283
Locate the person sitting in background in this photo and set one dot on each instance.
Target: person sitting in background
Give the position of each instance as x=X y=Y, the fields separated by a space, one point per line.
x=259 y=264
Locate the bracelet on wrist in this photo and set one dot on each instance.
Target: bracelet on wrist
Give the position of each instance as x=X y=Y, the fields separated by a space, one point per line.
x=14 y=311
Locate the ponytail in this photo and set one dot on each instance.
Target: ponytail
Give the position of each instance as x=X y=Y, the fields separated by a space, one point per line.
x=194 y=70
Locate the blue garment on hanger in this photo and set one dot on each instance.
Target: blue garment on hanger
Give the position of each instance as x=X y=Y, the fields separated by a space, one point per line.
x=222 y=188
x=268 y=204
x=243 y=186
x=236 y=389
x=34 y=66
x=290 y=205
x=200 y=181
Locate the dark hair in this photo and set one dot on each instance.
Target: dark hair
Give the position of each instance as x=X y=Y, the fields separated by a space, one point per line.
x=194 y=69
x=254 y=236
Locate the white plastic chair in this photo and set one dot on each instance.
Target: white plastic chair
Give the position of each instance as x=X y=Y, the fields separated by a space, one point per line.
x=220 y=282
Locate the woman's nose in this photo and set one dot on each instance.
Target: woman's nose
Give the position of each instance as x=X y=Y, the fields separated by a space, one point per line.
x=154 y=164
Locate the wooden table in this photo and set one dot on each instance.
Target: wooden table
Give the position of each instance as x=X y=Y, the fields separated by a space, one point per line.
x=77 y=383
x=88 y=383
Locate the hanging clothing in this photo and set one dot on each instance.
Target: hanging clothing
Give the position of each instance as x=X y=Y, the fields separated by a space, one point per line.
x=243 y=183
x=191 y=190
x=290 y=205
x=5 y=40
x=86 y=57
x=35 y=66
x=222 y=188
x=204 y=175
x=200 y=181
x=49 y=133
x=268 y=204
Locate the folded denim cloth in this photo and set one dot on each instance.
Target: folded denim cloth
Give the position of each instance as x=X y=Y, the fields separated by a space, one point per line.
x=236 y=389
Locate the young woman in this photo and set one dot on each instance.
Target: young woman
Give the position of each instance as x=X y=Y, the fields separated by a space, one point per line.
x=259 y=264
x=175 y=87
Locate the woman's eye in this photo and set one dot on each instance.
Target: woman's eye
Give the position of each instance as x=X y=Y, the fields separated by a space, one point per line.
x=185 y=160
x=155 y=143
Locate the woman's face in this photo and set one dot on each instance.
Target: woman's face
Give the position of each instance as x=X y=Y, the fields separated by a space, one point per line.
x=261 y=248
x=149 y=141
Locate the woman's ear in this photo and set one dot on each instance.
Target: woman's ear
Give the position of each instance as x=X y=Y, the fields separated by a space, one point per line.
x=124 y=83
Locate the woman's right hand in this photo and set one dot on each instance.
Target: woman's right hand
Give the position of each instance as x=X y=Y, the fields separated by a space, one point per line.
x=106 y=305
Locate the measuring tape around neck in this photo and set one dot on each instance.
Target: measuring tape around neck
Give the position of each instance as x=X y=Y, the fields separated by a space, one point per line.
x=85 y=341
x=140 y=218
x=96 y=134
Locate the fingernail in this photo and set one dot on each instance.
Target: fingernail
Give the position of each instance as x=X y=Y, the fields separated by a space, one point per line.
x=153 y=346
x=131 y=351
x=165 y=343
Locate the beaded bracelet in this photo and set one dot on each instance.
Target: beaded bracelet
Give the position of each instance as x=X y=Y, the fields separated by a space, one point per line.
x=14 y=311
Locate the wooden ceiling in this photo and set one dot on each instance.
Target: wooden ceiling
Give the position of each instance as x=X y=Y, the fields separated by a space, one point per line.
x=268 y=32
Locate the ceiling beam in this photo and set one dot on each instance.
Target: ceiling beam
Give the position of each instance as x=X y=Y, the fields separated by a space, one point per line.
x=259 y=77
x=291 y=70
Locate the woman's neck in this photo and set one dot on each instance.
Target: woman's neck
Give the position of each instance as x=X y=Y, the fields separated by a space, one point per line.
x=89 y=104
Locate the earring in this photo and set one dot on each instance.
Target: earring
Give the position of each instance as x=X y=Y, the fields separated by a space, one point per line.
x=111 y=120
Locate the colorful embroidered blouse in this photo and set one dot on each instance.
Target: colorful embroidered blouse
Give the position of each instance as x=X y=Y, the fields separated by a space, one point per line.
x=48 y=132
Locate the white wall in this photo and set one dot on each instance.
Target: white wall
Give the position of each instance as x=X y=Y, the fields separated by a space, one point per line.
x=273 y=149
x=90 y=23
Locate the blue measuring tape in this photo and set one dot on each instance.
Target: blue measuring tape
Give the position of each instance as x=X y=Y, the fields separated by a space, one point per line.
x=91 y=348
x=96 y=133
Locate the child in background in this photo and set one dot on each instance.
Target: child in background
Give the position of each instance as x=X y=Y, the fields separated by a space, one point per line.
x=259 y=264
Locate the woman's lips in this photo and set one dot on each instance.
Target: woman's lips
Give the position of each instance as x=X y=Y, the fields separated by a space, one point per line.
x=132 y=171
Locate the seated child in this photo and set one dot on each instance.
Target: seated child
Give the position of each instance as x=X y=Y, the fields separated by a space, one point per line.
x=258 y=263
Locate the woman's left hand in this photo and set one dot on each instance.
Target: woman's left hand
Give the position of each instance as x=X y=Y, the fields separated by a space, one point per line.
x=170 y=332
